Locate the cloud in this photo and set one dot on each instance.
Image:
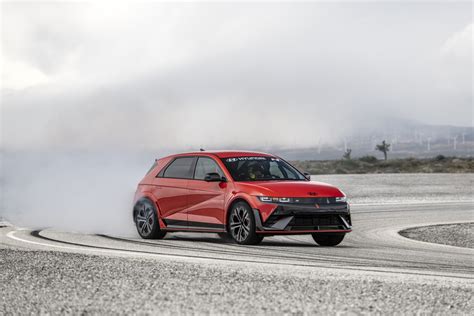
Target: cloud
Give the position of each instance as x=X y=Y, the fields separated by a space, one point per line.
x=151 y=75
x=18 y=75
x=459 y=45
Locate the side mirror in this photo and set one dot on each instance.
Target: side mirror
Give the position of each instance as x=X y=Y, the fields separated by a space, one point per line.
x=214 y=177
x=307 y=175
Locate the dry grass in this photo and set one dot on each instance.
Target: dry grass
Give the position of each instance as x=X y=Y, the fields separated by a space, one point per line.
x=371 y=164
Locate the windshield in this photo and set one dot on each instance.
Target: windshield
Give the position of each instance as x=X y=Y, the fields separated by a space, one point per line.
x=261 y=169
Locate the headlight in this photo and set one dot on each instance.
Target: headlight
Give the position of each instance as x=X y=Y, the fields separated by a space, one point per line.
x=267 y=199
x=341 y=199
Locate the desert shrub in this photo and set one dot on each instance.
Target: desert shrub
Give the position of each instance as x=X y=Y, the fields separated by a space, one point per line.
x=369 y=159
x=350 y=163
x=413 y=162
x=340 y=170
x=440 y=158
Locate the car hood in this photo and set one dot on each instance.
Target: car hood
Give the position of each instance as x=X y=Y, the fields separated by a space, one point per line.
x=289 y=189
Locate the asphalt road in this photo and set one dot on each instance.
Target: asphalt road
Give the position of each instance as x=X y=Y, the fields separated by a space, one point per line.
x=373 y=270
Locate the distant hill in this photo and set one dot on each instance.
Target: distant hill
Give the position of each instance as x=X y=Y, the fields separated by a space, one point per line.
x=407 y=139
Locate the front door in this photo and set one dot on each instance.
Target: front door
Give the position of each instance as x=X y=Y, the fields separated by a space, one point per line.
x=206 y=199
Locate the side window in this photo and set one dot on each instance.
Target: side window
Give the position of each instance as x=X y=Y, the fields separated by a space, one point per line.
x=180 y=168
x=290 y=173
x=275 y=170
x=206 y=165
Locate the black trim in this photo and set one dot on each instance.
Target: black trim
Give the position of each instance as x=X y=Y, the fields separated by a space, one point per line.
x=187 y=224
x=258 y=219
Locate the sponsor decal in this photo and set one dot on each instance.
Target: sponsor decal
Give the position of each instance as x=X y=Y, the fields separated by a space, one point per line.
x=245 y=159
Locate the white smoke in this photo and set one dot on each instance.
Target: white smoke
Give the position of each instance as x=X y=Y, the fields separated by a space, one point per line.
x=78 y=191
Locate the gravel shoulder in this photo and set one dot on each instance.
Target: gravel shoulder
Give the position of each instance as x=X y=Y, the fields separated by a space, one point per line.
x=58 y=283
x=460 y=235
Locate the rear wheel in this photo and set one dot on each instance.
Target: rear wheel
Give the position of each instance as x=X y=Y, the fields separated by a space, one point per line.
x=242 y=225
x=146 y=220
x=328 y=239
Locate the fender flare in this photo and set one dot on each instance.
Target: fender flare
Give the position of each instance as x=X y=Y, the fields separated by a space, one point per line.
x=245 y=198
x=151 y=198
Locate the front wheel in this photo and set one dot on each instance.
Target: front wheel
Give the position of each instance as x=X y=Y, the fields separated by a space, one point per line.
x=328 y=239
x=146 y=220
x=224 y=236
x=242 y=225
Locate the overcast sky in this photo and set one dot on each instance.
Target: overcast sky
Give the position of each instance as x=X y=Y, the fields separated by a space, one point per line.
x=216 y=75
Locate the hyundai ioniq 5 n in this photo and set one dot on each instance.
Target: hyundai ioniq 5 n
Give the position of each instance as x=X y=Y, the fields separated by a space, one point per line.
x=244 y=196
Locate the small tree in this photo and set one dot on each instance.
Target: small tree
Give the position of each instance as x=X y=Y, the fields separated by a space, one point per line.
x=347 y=154
x=383 y=147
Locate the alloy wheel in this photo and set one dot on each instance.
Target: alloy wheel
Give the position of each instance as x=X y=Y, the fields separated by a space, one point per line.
x=240 y=223
x=145 y=219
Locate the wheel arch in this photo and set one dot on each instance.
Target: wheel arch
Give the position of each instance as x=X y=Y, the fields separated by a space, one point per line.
x=236 y=200
x=146 y=197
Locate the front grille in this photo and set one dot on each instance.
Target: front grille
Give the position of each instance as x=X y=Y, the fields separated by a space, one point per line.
x=311 y=209
x=309 y=214
x=322 y=220
x=311 y=222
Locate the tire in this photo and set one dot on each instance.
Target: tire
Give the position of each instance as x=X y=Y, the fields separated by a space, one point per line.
x=146 y=220
x=328 y=239
x=242 y=225
x=224 y=236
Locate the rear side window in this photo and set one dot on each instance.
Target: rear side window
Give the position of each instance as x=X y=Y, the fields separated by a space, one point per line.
x=204 y=166
x=180 y=168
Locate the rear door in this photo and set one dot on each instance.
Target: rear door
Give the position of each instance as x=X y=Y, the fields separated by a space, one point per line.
x=206 y=199
x=171 y=191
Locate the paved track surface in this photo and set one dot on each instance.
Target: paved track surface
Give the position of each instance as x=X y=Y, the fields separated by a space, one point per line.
x=373 y=270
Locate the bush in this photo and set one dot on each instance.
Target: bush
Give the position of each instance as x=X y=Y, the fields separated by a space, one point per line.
x=350 y=164
x=369 y=159
x=340 y=170
x=440 y=158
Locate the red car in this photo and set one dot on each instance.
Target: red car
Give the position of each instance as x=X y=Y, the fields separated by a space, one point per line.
x=244 y=195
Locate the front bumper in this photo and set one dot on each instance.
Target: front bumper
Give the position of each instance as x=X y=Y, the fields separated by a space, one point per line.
x=291 y=218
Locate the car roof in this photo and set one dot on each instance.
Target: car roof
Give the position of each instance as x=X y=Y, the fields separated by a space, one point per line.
x=225 y=153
